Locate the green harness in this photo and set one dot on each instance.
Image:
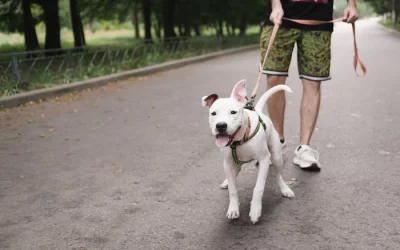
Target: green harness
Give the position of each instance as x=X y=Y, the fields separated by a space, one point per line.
x=238 y=143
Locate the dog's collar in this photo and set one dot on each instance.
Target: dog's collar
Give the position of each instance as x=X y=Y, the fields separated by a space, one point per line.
x=232 y=137
x=246 y=138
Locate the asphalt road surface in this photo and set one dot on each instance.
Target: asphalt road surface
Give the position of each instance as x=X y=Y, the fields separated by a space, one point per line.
x=133 y=165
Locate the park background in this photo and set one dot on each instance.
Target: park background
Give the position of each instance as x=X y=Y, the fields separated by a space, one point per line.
x=44 y=43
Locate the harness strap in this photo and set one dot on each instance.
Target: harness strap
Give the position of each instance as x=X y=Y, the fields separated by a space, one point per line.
x=356 y=60
x=245 y=139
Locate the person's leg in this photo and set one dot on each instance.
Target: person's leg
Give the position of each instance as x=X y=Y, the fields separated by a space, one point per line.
x=277 y=105
x=276 y=68
x=309 y=109
x=314 y=57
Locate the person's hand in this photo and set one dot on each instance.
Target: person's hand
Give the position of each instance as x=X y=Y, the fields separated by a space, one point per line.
x=276 y=15
x=350 y=14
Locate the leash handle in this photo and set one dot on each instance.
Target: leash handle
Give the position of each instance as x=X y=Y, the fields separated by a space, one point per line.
x=356 y=59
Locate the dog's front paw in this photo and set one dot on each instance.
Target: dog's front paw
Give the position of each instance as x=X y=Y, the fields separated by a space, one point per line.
x=255 y=213
x=233 y=213
x=224 y=184
x=287 y=192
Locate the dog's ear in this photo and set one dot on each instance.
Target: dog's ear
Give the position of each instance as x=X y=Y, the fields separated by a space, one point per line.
x=209 y=100
x=239 y=92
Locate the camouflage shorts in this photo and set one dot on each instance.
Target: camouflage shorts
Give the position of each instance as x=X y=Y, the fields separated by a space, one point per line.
x=313 y=52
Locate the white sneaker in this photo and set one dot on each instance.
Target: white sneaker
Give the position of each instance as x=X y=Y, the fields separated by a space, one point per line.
x=306 y=158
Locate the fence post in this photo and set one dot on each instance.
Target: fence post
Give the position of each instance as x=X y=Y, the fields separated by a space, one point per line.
x=108 y=53
x=16 y=69
x=69 y=59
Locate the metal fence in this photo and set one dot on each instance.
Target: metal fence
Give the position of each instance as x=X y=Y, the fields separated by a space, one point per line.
x=24 y=71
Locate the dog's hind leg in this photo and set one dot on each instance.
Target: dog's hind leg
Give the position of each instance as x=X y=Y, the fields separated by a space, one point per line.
x=285 y=189
x=277 y=164
x=224 y=184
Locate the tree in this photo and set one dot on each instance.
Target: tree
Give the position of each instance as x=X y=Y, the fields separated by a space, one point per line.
x=77 y=27
x=160 y=17
x=16 y=16
x=147 y=20
x=11 y=16
x=52 y=23
x=135 y=17
x=386 y=6
x=168 y=18
x=31 y=40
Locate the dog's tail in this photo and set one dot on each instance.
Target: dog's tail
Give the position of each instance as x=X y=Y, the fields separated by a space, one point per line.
x=263 y=99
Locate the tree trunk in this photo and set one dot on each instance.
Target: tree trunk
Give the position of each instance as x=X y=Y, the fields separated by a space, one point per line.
x=243 y=25
x=196 y=29
x=228 y=30
x=147 y=20
x=220 y=29
x=31 y=40
x=135 y=18
x=186 y=26
x=181 y=30
x=52 y=22
x=159 y=25
x=233 y=27
x=169 y=14
x=77 y=27
x=157 y=30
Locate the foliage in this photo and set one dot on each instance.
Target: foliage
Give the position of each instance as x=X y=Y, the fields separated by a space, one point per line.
x=380 y=6
x=389 y=24
x=75 y=65
x=65 y=16
x=385 y=6
x=11 y=15
x=364 y=8
x=8 y=6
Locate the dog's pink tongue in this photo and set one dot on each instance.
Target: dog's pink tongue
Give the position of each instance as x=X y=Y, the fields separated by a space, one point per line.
x=222 y=140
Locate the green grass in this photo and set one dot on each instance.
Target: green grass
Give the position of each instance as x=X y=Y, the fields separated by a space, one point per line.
x=94 y=62
x=15 y=42
x=108 y=51
x=388 y=24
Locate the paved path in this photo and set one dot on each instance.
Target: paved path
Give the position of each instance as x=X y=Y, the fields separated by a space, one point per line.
x=133 y=166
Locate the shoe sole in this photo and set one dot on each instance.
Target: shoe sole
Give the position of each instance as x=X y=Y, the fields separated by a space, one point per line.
x=312 y=167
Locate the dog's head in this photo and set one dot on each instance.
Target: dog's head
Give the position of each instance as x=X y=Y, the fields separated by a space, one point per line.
x=226 y=114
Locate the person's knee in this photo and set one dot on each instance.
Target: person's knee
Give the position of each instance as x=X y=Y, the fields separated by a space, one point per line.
x=311 y=86
x=273 y=80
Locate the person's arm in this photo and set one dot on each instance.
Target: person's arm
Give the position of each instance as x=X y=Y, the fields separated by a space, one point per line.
x=351 y=3
x=277 y=12
x=350 y=13
x=276 y=3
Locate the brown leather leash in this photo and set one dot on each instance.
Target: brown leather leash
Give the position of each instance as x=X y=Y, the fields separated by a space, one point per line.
x=356 y=60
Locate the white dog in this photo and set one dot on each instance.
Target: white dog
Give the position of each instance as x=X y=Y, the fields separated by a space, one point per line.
x=245 y=135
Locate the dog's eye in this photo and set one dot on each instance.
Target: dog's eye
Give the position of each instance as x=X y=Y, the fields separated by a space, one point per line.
x=233 y=112
x=214 y=113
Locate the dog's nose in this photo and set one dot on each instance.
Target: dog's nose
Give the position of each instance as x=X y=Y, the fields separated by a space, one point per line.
x=221 y=126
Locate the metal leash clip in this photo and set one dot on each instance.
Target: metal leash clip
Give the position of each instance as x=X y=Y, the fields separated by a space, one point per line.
x=250 y=105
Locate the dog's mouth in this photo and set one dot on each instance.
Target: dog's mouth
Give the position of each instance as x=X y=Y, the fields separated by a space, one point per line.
x=224 y=139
